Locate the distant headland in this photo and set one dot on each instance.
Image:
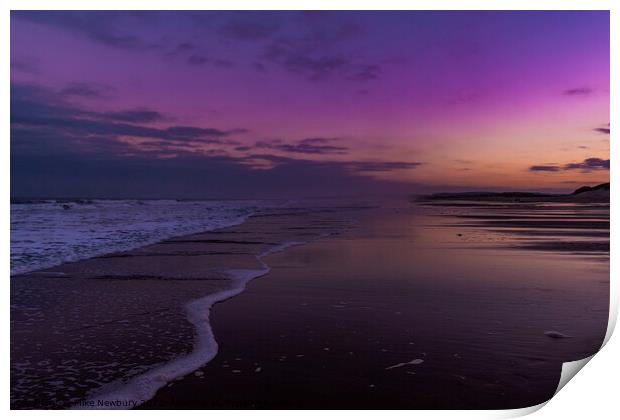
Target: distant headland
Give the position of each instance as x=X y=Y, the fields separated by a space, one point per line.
x=585 y=194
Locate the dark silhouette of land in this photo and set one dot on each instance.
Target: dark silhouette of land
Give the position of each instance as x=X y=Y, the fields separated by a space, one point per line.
x=585 y=194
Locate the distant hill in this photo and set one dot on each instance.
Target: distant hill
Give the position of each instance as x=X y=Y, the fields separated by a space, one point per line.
x=585 y=194
x=603 y=187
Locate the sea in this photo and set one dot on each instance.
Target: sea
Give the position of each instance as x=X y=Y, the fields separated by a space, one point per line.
x=46 y=233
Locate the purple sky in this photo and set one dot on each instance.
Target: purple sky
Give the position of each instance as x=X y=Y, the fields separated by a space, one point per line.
x=238 y=104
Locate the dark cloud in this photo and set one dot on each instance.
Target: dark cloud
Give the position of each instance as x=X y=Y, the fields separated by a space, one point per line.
x=316 y=47
x=544 y=168
x=183 y=48
x=316 y=66
x=319 y=140
x=196 y=132
x=185 y=176
x=201 y=60
x=58 y=149
x=465 y=98
x=54 y=143
x=24 y=65
x=135 y=116
x=589 y=164
x=43 y=116
x=98 y=26
x=223 y=63
x=578 y=91
x=87 y=90
x=251 y=26
x=197 y=60
x=366 y=72
x=318 y=146
x=350 y=166
x=329 y=28
x=297 y=60
x=604 y=130
x=104 y=127
x=32 y=100
x=258 y=66
x=321 y=50
x=379 y=166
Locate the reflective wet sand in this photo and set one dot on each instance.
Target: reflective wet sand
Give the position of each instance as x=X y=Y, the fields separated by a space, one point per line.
x=408 y=306
x=418 y=307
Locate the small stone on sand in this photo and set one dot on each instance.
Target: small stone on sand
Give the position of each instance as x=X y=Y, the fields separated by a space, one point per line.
x=556 y=334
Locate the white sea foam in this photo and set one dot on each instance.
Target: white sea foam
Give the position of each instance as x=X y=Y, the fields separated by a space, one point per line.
x=143 y=387
x=411 y=362
x=48 y=233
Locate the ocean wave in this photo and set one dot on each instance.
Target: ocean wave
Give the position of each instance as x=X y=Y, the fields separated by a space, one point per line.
x=50 y=232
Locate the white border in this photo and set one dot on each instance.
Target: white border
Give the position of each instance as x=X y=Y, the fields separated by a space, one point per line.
x=592 y=395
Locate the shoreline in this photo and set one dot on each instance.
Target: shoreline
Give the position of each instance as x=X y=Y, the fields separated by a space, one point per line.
x=361 y=310
x=369 y=320
x=232 y=255
x=143 y=388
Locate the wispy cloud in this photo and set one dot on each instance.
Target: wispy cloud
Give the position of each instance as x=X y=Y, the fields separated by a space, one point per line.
x=366 y=167
x=590 y=164
x=98 y=26
x=318 y=146
x=24 y=65
x=587 y=165
x=320 y=50
x=135 y=116
x=382 y=166
x=298 y=60
x=42 y=120
x=89 y=90
x=604 y=130
x=578 y=91
x=365 y=72
x=544 y=168
x=250 y=26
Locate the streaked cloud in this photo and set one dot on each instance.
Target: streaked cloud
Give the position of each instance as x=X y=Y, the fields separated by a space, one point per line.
x=99 y=26
x=135 y=116
x=544 y=168
x=318 y=146
x=578 y=91
x=250 y=26
x=590 y=164
x=587 y=165
x=89 y=90
x=604 y=130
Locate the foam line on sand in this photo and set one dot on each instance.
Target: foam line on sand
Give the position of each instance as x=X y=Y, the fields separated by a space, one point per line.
x=143 y=387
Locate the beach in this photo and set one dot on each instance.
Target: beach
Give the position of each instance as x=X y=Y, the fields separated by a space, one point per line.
x=392 y=305
x=307 y=209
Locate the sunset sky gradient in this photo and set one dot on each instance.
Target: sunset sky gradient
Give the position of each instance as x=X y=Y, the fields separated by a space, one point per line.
x=240 y=104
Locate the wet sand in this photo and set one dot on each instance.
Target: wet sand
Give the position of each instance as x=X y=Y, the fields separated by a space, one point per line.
x=83 y=329
x=410 y=310
x=400 y=307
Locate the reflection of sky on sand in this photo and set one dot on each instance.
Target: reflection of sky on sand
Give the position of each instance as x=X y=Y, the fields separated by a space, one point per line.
x=483 y=250
x=559 y=228
x=402 y=287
